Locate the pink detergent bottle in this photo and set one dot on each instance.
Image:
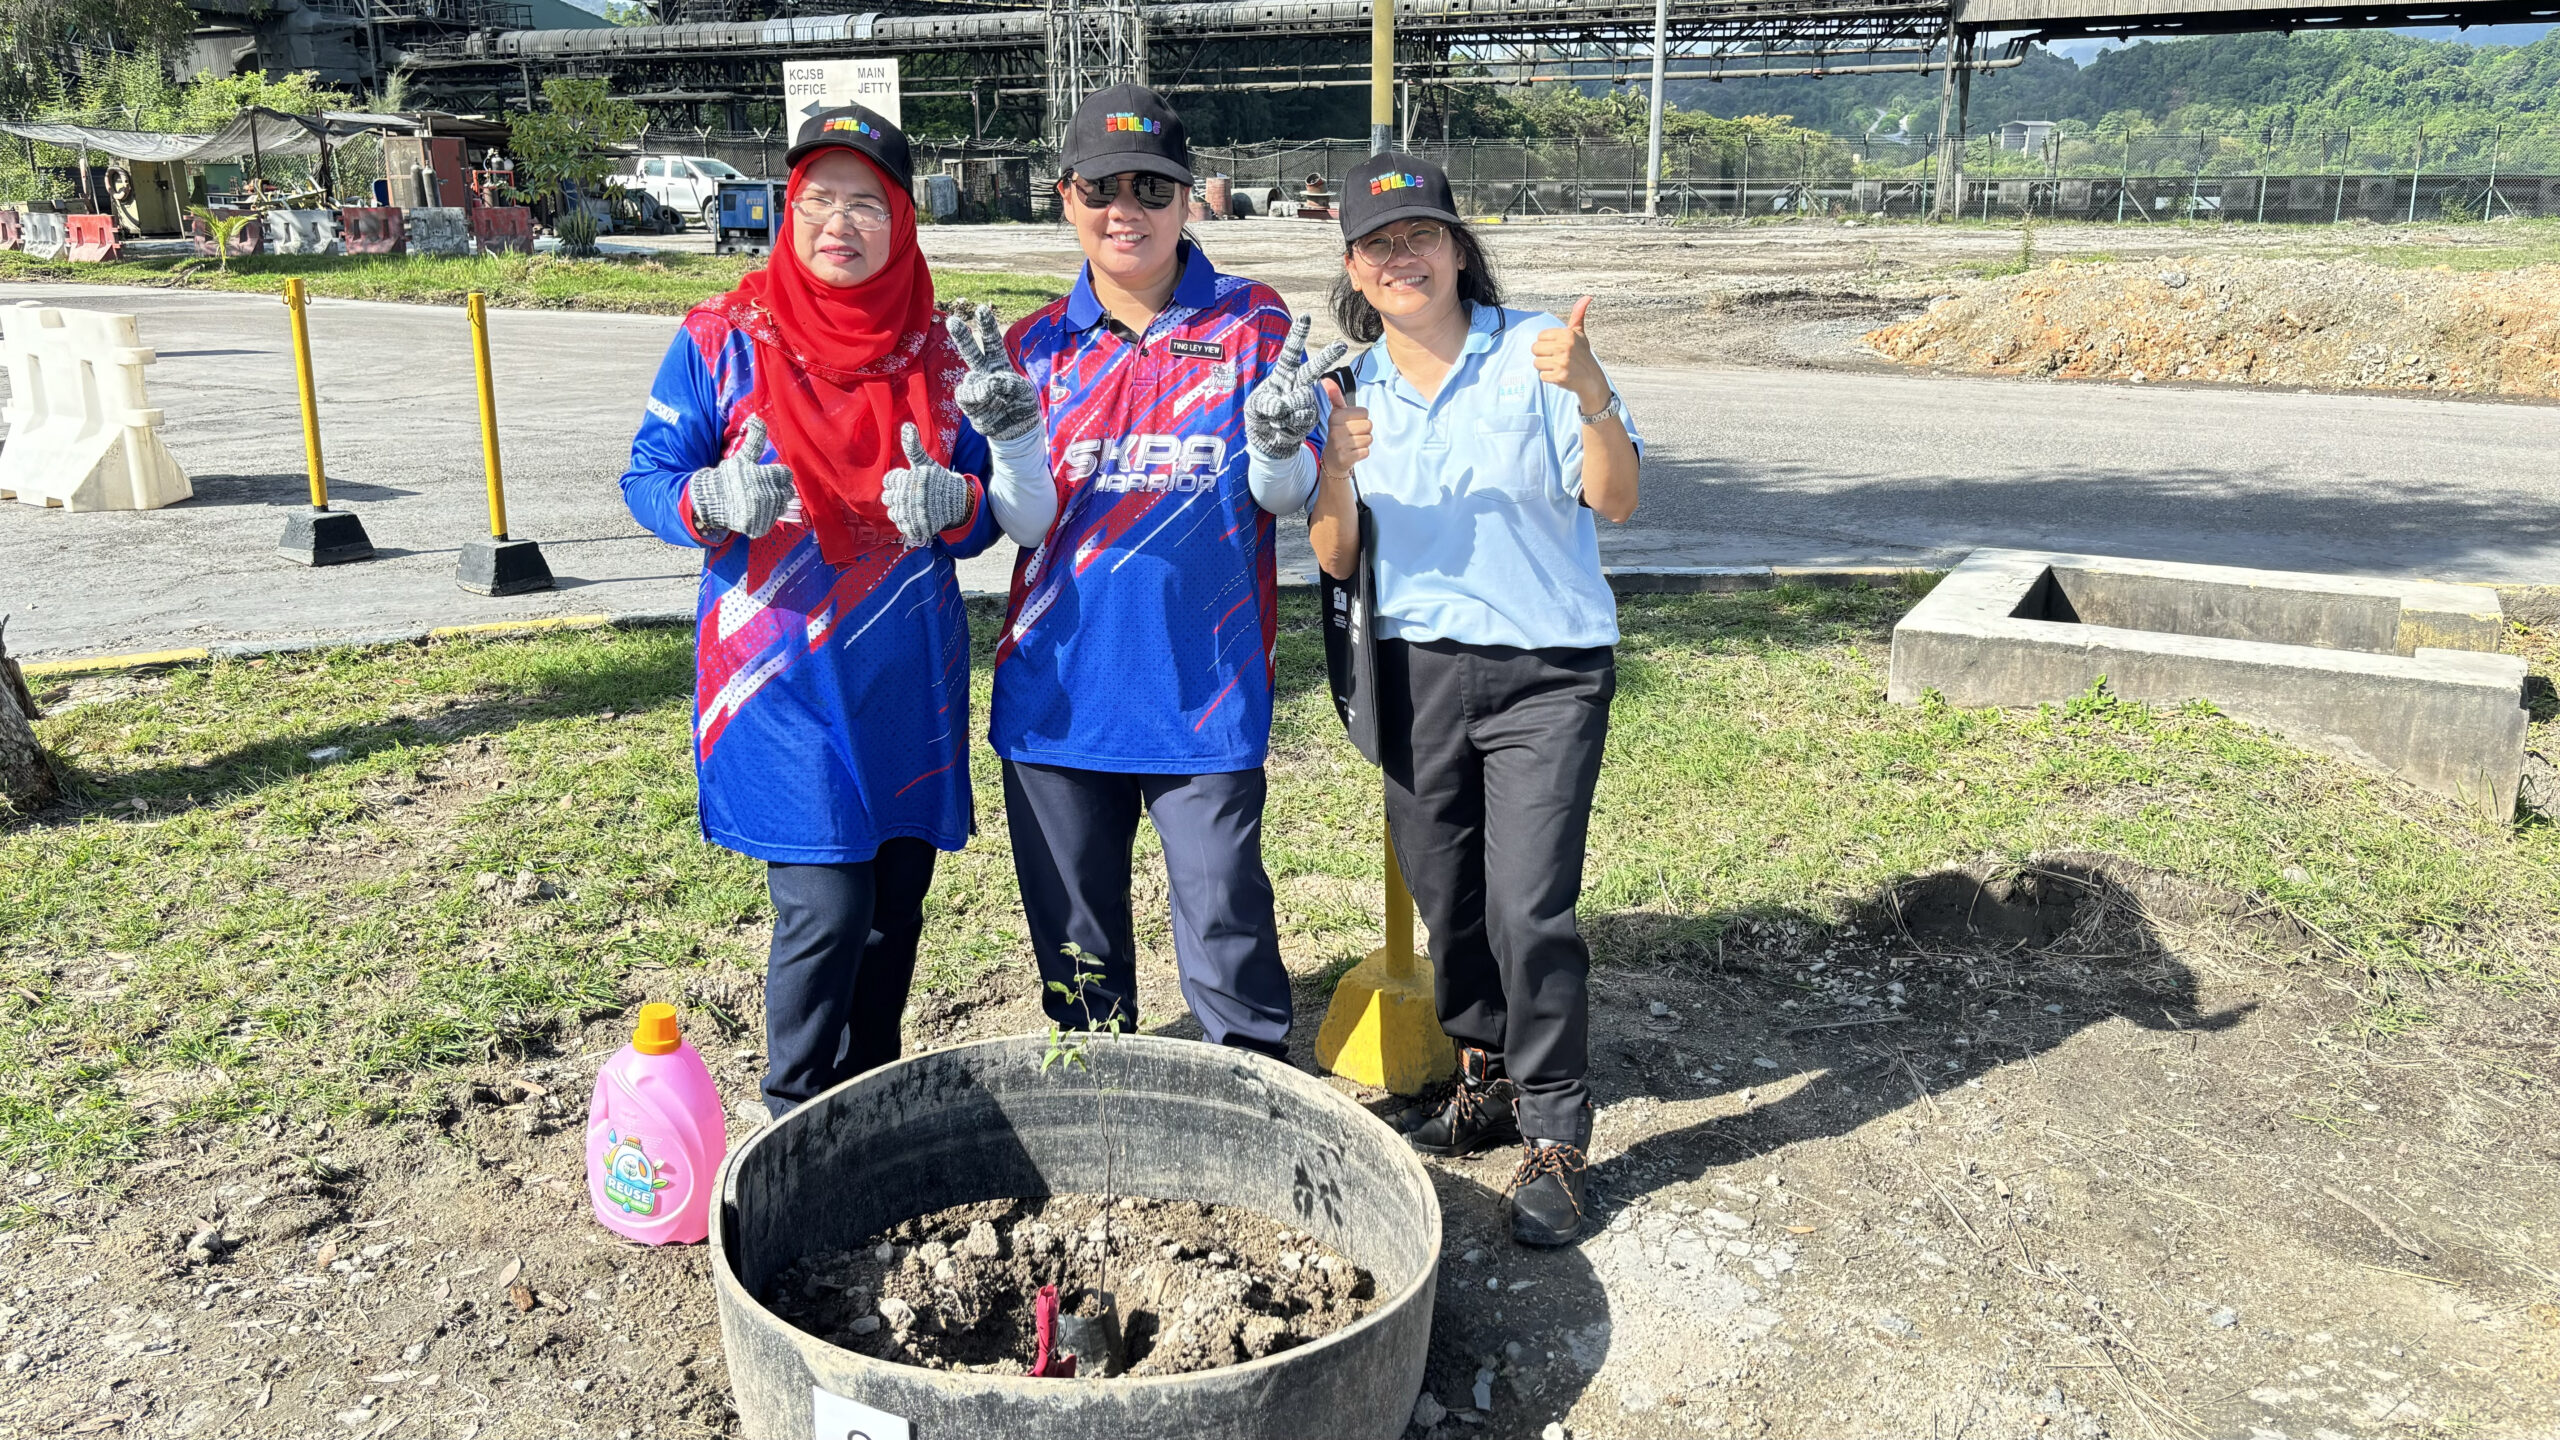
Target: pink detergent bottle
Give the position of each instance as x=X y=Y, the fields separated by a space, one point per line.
x=655 y=1135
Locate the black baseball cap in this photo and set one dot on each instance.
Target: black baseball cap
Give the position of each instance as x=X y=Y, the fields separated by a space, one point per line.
x=862 y=130
x=1123 y=129
x=1384 y=189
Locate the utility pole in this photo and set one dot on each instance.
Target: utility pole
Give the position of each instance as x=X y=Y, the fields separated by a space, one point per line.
x=1653 y=129
x=1948 y=200
x=1382 y=76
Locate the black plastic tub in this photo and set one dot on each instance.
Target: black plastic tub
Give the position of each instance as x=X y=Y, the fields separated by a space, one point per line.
x=985 y=1122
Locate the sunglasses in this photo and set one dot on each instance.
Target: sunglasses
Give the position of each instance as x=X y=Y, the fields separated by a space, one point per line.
x=1421 y=242
x=1155 y=192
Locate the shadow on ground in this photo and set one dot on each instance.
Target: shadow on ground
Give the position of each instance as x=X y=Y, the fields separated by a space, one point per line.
x=1944 y=978
x=283 y=490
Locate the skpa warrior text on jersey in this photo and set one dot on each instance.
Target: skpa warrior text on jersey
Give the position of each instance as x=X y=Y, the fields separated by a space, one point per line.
x=1130 y=462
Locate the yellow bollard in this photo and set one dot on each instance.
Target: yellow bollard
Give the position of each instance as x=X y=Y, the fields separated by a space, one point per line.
x=479 y=306
x=320 y=535
x=497 y=565
x=1383 y=1027
x=293 y=301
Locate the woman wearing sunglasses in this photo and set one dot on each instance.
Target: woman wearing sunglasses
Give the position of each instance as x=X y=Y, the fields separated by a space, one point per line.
x=803 y=434
x=1483 y=441
x=1173 y=405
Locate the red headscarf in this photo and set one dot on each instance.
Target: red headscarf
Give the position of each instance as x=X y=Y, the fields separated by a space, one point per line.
x=840 y=369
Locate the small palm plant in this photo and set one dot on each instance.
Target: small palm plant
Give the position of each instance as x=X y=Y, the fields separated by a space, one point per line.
x=223 y=229
x=577 y=229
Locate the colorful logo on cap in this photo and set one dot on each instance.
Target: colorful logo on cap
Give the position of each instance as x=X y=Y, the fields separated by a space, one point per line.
x=1131 y=121
x=858 y=127
x=1394 y=180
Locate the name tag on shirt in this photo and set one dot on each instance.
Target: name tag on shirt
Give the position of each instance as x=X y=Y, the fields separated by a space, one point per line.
x=1198 y=349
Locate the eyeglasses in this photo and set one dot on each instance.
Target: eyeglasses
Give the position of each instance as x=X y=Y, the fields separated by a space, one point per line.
x=1421 y=242
x=1152 y=191
x=866 y=214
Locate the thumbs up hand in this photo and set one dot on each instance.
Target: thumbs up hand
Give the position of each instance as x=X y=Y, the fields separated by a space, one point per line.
x=1347 y=434
x=923 y=497
x=1564 y=359
x=744 y=493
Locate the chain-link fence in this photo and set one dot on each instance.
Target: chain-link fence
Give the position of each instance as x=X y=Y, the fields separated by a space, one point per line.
x=2295 y=177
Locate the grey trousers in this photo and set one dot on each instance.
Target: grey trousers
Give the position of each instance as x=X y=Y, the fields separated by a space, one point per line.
x=1491 y=755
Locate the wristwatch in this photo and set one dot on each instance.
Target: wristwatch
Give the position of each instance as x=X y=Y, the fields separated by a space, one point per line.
x=1615 y=407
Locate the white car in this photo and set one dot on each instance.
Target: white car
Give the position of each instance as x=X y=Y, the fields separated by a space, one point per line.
x=687 y=184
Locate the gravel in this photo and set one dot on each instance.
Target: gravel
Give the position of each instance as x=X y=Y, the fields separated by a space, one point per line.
x=2318 y=324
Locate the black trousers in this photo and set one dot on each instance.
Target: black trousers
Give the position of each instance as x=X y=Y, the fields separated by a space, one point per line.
x=1072 y=830
x=844 y=953
x=1491 y=755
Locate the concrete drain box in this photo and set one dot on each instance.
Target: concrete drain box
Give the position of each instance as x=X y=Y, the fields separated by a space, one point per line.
x=2401 y=675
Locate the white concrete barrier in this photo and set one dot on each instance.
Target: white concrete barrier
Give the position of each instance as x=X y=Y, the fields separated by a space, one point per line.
x=47 y=236
x=81 y=434
x=302 y=232
x=439 y=230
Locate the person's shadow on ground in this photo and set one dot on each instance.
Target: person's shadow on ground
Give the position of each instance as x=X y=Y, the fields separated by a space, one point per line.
x=1947 y=977
x=1938 y=981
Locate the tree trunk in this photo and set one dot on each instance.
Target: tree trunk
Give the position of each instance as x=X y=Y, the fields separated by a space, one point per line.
x=27 y=781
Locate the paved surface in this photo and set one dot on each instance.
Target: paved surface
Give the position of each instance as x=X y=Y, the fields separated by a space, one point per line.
x=1765 y=466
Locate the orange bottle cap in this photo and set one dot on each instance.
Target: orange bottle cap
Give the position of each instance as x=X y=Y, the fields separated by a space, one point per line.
x=656 y=1034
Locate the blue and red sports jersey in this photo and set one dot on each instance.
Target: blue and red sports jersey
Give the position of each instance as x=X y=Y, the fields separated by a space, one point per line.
x=1140 y=632
x=831 y=703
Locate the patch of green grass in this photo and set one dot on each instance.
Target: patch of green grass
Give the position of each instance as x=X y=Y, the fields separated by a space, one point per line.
x=222 y=927
x=667 y=283
x=2465 y=258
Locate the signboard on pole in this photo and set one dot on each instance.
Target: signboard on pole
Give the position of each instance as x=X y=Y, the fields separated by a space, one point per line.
x=809 y=86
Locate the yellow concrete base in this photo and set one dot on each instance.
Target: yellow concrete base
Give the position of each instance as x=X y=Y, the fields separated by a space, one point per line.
x=1383 y=1029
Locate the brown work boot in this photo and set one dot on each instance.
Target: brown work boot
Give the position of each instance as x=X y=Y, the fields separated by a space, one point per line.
x=1477 y=1114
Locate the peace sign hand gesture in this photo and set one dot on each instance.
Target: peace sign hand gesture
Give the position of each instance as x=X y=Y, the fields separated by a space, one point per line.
x=1281 y=412
x=996 y=397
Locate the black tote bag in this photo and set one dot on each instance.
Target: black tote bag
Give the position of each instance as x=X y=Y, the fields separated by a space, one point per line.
x=1350 y=639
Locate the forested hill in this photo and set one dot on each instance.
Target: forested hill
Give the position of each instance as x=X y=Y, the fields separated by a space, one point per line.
x=2226 y=82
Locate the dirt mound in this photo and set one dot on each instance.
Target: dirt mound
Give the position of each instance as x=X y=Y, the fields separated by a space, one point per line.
x=1199 y=1286
x=2321 y=324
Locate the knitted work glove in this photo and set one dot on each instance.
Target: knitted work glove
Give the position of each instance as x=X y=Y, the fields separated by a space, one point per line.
x=1281 y=412
x=996 y=397
x=742 y=493
x=924 y=498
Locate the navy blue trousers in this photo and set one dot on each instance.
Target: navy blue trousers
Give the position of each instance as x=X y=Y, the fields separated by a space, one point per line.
x=1072 y=832
x=844 y=953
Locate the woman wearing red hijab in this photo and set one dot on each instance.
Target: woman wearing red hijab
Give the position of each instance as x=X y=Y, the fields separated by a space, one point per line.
x=803 y=433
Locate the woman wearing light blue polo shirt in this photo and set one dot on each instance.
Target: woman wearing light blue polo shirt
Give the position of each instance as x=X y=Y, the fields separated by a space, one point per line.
x=1483 y=442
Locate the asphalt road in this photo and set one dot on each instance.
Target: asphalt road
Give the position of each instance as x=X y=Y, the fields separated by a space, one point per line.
x=1748 y=467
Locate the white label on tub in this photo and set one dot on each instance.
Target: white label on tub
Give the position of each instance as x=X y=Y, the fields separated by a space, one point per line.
x=833 y=1417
